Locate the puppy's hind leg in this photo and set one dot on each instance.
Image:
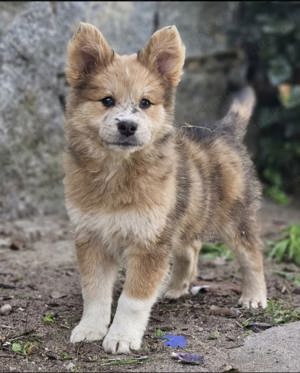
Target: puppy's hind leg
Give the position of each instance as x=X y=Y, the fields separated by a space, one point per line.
x=184 y=271
x=248 y=250
x=98 y=273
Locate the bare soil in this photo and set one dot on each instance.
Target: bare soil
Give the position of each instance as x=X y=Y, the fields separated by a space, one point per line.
x=38 y=277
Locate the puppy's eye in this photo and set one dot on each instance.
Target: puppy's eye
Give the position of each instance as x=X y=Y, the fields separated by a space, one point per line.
x=145 y=103
x=108 y=101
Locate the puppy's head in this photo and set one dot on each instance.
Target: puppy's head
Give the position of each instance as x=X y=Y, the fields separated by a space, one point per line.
x=121 y=103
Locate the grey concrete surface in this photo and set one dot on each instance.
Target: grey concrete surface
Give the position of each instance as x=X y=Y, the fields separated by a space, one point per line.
x=274 y=350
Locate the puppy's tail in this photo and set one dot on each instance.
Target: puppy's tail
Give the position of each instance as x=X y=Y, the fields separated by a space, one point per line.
x=240 y=112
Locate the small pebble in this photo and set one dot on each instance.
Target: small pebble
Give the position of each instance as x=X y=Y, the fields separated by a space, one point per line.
x=223 y=311
x=188 y=358
x=70 y=366
x=6 y=309
x=56 y=294
x=197 y=289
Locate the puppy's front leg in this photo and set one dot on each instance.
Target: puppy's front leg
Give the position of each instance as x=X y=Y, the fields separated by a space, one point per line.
x=98 y=273
x=145 y=273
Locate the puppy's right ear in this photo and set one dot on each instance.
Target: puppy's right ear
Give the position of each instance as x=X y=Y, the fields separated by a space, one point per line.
x=88 y=51
x=165 y=54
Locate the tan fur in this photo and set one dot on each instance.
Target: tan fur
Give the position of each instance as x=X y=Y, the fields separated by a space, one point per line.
x=153 y=202
x=145 y=273
x=164 y=54
x=185 y=269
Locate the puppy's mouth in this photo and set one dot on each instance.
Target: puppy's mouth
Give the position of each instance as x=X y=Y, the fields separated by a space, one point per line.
x=124 y=143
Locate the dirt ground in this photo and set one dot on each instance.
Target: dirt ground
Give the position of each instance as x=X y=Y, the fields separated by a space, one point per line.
x=39 y=279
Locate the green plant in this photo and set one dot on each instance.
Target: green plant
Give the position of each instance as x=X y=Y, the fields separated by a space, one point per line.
x=275 y=189
x=211 y=251
x=65 y=356
x=49 y=318
x=287 y=248
x=159 y=333
x=124 y=361
x=281 y=313
x=17 y=347
x=277 y=195
x=25 y=348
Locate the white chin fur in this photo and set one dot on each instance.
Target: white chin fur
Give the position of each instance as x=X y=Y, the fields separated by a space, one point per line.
x=124 y=149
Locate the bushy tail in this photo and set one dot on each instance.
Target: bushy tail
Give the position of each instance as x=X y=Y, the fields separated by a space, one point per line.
x=240 y=112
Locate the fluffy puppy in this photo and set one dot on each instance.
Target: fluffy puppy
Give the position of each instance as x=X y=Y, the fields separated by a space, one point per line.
x=140 y=191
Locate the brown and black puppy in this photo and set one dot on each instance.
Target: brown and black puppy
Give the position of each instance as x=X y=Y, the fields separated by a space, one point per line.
x=140 y=192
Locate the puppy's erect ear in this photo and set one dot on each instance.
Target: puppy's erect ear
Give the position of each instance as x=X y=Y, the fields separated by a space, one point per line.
x=165 y=54
x=88 y=51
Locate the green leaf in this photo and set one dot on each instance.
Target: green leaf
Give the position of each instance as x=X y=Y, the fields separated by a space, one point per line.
x=273 y=177
x=297 y=256
x=290 y=250
x=159 y=333
x=294 y=245
x=279 y=250
x=17 y=347
x=49 y=318
x=213 y=250
x=65 y=356
x=288 y=247
x=277 y=195
x=296 y=281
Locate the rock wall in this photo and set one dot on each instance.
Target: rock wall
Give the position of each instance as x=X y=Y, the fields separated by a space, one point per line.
x=33 y=38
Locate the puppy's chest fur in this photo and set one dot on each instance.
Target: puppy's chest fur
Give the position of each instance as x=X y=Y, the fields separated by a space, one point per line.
x=126 y=209
x=119 y=229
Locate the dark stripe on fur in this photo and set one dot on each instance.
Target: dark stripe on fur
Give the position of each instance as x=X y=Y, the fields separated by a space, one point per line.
x=183 y=187
x=183 y=191
x=165 y=139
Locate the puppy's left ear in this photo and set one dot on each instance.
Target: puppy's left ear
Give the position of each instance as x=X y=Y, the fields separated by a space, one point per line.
x=165 y=54
x=88 y=51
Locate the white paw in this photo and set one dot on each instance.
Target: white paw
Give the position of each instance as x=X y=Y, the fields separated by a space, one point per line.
x=87 y=332
x=118 y=343
x=254 y=301
x=175 y=293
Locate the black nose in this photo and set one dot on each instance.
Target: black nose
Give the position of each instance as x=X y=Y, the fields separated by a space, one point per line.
x=127 y=128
